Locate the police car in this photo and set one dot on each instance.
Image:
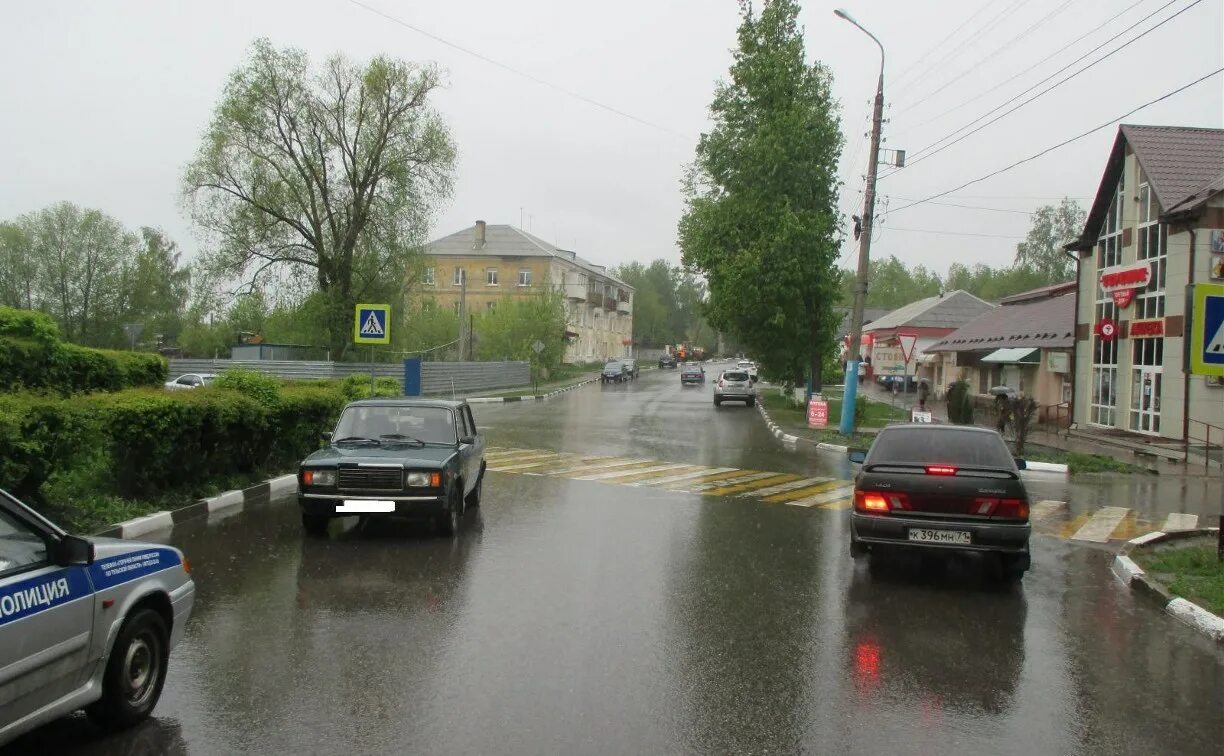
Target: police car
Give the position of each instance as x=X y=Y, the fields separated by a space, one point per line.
x=84 y=622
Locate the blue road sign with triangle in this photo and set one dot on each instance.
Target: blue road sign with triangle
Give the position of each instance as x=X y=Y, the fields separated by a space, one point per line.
x=372 y=324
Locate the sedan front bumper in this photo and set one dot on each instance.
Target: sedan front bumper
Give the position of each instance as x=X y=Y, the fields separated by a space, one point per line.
x=984 y=536
x=325 y=505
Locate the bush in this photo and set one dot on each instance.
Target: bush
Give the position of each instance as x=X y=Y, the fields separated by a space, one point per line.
x=860 y=411
x=259 y=386
x=960 y=404
x=28 y=324
x=357 y=386
x=39 y=436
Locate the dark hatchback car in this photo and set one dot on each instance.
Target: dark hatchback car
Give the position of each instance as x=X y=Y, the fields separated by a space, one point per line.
x=667 y=361
x=614 y=372
x=410 y=458
x=692 y=374
x=941 y=488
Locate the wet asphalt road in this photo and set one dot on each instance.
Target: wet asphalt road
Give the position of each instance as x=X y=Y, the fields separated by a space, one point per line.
x=577 y=617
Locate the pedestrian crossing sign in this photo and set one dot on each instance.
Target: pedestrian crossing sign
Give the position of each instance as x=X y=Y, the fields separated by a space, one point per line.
x=372 y=324
x=1207 y=330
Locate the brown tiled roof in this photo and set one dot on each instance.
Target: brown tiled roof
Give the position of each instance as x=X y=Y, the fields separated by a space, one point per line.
x=1048 y=323
x=950 y=310
x=1045 y=292
x=1180 y=161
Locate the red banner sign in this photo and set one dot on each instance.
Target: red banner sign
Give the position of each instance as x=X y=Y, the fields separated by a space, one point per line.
x=1122 y=281
x=1147 y=328
x=1122 y=297
x=818 y=414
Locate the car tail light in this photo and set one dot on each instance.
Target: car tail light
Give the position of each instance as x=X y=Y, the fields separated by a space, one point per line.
x=1010 y=508
x=878 y=502
x=940 y=470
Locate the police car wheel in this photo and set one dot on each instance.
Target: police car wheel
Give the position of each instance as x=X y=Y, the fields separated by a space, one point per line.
x=135 y=672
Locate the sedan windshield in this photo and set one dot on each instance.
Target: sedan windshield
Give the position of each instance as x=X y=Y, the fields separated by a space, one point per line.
x=923 y=446
x=390 y=424
x=612 y=366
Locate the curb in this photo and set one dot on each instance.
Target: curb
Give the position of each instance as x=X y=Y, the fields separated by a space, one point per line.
x=260 y=493
x=1045 y=467
x=773 y=427
x=1187 y=612
x=537 y=397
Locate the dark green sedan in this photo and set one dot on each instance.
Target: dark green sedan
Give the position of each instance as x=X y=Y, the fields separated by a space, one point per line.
x=408 y=458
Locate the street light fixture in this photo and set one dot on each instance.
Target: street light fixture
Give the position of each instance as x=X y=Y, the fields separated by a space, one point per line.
x=867 y=222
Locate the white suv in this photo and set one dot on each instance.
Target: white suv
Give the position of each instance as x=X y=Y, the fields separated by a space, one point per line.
x=735 y=385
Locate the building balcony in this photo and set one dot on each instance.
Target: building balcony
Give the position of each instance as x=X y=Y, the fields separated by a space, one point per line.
x=624 y=308
x=576 y=292
x=609 y=304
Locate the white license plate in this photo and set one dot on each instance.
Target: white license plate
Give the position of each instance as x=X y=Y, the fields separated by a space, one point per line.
x=364 y=506
x=927 y=535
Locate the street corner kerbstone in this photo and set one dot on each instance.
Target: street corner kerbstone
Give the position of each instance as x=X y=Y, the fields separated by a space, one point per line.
x=1197 y=617
x=1126 y=569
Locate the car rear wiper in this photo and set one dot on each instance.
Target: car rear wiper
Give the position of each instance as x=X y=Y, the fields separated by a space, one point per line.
x=403 y=438
x=357 y=439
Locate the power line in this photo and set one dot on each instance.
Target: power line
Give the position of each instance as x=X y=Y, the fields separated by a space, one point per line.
x=969 y=39
x=949 y=233
x=517 y=72
x=1067 y=46
x=914 y=66
x=992 y=54
x=971 y=207
x=1076 y=138
x=932 y=152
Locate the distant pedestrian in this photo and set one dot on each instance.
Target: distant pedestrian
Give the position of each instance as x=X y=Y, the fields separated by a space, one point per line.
x=1004 y=408
x=924 y=390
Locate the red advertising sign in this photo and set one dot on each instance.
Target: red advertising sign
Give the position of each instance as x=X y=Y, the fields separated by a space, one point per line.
x=1121 y=281
x=818 y=414
x=1106 y=329
x=1146 y=328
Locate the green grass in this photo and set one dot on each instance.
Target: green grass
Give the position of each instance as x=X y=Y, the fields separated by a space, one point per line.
x=1192 y=572
x=1077 y=462
x=794 y=420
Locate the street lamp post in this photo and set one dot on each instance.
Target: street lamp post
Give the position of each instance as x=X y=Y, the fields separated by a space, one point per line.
x=867 y=222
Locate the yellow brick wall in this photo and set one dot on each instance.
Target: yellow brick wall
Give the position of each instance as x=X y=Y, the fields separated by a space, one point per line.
x=479 y=294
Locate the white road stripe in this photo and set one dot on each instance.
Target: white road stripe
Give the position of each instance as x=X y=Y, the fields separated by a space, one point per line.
x=1180 y=521
x=1045 y=508
x=537 y=463
x=687 y=476
x=730 y=482
x=605 y=464
x=823 y=497
x=784 y=487
x=523 y=457
x=609 y=476
x=1102 y=524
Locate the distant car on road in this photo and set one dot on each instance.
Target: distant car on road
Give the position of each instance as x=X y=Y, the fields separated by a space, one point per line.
x=631 y=367
x=748 y=367
x=190 y=381
x=734 y=386
x=84 y=623
x=667 y=361
x=692 y=373
x=614 y=371
x=941 y=488
x=407 y=458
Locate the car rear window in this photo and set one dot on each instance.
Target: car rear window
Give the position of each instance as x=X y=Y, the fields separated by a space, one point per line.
x=735 y=376
x=930 y=446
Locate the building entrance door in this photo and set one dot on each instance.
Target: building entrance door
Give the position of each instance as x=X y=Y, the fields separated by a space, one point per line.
x=1145 y=399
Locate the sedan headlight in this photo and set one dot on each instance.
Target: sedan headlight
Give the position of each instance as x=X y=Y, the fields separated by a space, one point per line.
x=319 y=477
x=424 y=480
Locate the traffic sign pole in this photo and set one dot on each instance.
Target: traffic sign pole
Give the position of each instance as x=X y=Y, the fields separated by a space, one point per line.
x=1205 y=324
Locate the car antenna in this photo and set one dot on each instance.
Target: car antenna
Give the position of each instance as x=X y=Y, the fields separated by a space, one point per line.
x=452 y=380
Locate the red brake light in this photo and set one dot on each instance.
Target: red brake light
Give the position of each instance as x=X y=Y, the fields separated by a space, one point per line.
x=940 y=470
x=879 y=503
x=1013 y=508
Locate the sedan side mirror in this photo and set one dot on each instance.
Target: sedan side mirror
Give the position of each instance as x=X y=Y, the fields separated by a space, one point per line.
x=1021 y=464
x=857 y=456
x=327 y=435
x=467 y=440
x=73 y=550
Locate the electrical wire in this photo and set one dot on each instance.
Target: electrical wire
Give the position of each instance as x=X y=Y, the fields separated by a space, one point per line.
x=1064 y=143
x=952 y=35
x=931 y=150
x=969 y=207
x=517 y=72
x=951 y=233
x=1062 y=48
x=993 y=53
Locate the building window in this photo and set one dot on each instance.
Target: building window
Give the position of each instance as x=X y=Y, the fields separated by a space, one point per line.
x=1146 y=379
x=1109 y=244
x=490 y=276
x=1153 y=248
x=1103 y=407
x=524 y=278
x=460 y=277
x=429 y=276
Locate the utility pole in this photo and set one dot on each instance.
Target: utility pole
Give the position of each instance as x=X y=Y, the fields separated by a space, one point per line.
x=866 y=223
x=462 y=314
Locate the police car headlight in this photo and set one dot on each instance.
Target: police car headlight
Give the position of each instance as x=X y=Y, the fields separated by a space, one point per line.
x=319 y=477
x=424 y=480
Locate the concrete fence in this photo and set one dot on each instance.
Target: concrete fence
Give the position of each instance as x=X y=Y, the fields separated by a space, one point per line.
x=437 y=378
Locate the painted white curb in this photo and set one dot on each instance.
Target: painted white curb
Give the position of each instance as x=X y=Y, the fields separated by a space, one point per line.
x=1146 y=538
x=1046 y=467
x=1197 y=617
x=833 y=447
x=282 y=485
x=1126 y=569
x=225 y=501
x=147 y=524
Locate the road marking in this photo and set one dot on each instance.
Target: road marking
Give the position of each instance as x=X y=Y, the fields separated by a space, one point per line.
x=801 y=483
x=1044 y=509
x=1179 y=521
x=705 y=472
x=712 y=480
x=1101 y=525
x=805 y=492
x=612 y=476
x=749 y=485
x=604 y=465
x=567 y=459
x=515 y=458
x=839 y=493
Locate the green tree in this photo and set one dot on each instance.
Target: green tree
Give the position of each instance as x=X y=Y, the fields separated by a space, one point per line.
x=157 y=287
x=18 y=268
x=320 y=175
x=891 y=284
x=507 y=331
x=1042 y=249
x=427 y=326
x=761 y=219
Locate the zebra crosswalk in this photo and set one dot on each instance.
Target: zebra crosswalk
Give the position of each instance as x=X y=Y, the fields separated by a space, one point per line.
x=761 y=485
x=1103 y=525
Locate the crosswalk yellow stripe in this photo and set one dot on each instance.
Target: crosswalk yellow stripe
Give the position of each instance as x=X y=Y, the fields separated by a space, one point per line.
x=845 y=503
x=632 y=477
x=564 y=459
x=524 y=457
x=685 y=485
x=762 y=483
x=628 y=464
x=802 y=493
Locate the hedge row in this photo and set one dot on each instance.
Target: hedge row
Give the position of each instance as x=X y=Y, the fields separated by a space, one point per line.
x=33 y=357
x=143 y=442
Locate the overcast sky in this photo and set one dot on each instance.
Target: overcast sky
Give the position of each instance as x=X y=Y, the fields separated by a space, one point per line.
x=104 y=102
